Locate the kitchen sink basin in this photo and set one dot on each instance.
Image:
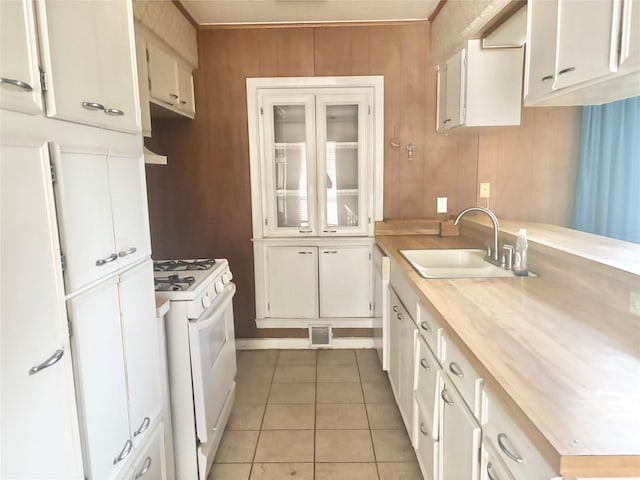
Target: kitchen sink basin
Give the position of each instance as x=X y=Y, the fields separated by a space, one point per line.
x=453 y=263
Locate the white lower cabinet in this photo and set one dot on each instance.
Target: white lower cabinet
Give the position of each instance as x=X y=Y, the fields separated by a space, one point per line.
x=292 y=282
x=116 y=362
x=150 y=463
x=460 y=439
x=427 y=446
x=345 y=281
x=491 y=466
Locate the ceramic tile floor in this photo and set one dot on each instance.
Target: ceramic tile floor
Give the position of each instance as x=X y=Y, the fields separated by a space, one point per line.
x=314 y=415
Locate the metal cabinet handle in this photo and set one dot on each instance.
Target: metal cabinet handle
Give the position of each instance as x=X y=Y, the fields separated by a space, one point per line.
x=330 y=251
x=490 y=472
x=17 y=83
x=330 y=231
x=447 y=120
x=145 y=468
x=305 y=231
x=501 y=443
x=305 y=253
x=126 y=450
x=103 y=261
x=113 y=112
x=92 y=106
x=52 y=360
x=183 y=102
x=395 y=308
x=566 y=70
x=424 y=364
x=129 y=251
x=173 y=95
x=423 y=430
x=143 y=426
x=546 y=77
x=456 y=370
x=425 y=326
x=399 y=316
x=444 y=396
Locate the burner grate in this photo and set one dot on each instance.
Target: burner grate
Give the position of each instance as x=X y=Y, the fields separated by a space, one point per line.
x=173 y=283
x=183 y=265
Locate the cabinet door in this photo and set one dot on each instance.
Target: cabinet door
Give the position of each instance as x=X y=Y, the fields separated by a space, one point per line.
x=492 y=467
x=586 y=33
x=630 y=40
x=83 y=201
x=395 y=322
x=141 y=348
x=151 y=463
x=19 y=74
x=39 y=436
x=540 y=53
x=292 y=282
x=441 y=112
x=100 y=379
x=185 y=91
x=163 y=75
x=408 y=335
x=344 y=152
x=289 y=196
x=130 y=212
x=460 y=440
x=455 y=88
x=345 y=281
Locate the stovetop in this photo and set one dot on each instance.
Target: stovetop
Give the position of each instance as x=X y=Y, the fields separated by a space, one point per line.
x=183 y=265
x=187 y=279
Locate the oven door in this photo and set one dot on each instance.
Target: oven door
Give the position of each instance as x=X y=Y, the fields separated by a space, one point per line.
x=213 y=361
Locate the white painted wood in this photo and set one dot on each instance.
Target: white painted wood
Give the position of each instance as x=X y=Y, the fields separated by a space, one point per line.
x=542 y=18
x=428 y=391
x=91 y=61
x=163 y=75
x=143 y=83
x=491 y=466
x=38 y=413
x=300 y=343
x=460 y=440
x=455 y=96
x=185 y=91
x=292 y=290
x=381 y=305
x=335 y=322
x=128 y=192
x=100 y=377
x=83 y=201
x=427 y=446
x=585 y=46
x=630 y=40
x=19 y=57
x=151 y=459
x=408 y=338
x=345 y=281
x=141 y=348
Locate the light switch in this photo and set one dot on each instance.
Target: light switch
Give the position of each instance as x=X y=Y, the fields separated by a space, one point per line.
x=441 y=205
x=485 y=190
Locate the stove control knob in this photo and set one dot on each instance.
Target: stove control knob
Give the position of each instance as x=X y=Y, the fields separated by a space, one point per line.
x=206 y=301
x=226 y=277
x=219 y=287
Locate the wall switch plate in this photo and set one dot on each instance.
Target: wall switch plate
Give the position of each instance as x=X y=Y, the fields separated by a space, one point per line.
x=441 y=205
x=485 y=190
x=634 y=303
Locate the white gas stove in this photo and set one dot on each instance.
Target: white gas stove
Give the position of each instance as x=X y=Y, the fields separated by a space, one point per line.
x=201 y=357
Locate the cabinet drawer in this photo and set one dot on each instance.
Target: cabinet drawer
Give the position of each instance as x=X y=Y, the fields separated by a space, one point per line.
x=491 y=466
x=463 y=375
x=150 y=464
x=512 y=445
x=430 y=329
x=426 y=446
x=428 y=374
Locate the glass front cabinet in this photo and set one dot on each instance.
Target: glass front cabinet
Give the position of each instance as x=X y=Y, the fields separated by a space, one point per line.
x=317 y=162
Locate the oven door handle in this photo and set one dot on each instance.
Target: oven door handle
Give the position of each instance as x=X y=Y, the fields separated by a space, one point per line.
x=219 y=305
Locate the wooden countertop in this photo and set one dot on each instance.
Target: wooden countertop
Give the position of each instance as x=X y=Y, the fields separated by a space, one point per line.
x=552 y=354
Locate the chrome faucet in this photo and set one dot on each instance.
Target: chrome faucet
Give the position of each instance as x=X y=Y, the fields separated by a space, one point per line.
x=492 y=256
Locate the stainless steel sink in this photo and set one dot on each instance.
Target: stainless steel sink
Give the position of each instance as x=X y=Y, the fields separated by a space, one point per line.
x=453 y=263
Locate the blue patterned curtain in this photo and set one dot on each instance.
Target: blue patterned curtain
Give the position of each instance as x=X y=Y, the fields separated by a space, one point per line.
x=608 y=188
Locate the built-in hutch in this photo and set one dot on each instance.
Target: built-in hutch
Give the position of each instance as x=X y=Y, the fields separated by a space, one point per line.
x=316 y=170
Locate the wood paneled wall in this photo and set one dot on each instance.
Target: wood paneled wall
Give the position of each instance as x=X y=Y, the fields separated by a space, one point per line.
x=200 y=203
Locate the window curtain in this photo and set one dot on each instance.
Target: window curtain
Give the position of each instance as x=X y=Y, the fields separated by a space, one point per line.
x=608 y=188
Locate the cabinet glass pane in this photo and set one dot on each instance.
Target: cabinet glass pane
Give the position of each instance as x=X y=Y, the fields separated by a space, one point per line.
x=342 y=166
x=290 y=156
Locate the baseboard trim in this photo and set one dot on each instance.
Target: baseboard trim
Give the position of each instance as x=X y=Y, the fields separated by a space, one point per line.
x=301 y=343
x=349 y=322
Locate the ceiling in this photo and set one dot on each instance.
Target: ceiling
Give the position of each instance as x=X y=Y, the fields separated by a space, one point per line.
x=221 y=12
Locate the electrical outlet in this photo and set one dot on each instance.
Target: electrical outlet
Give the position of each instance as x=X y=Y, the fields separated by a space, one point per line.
x=634 y=303
x=441 y=205
x=485 y=190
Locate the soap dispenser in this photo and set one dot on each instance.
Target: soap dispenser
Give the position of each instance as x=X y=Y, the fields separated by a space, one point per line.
x=520 y=262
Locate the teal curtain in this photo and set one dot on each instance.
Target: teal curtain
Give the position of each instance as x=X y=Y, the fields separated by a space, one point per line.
x=608 y=188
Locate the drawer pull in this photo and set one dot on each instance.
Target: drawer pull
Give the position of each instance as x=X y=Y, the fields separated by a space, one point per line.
x=331 y=252
x=173 y=95
x=395 y=308
x=143 y=426
x=456 y=370
x=145 y=468
x=129 y=251
x=305 y=231
x=399 y=316
x=103 y=261
x=92 y=106
x=423 y=429
x=490 y=474
x=17 y=83
x=126 y=450
x=424 y=364
x=501 y=443
x=330 y=231
x=425 y=326
x=566 y=70
x=52 y=360
x=546 y=77
x=444 y=396
x=304 y=253
x=114 y=112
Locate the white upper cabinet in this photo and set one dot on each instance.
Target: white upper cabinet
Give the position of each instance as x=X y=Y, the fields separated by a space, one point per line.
x=39 y=436
x=19 y=73
x=90 y=66
x=542 y=18
x=630 y=35
x=480 y=87
x=185 y=91
x=101 y=203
